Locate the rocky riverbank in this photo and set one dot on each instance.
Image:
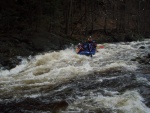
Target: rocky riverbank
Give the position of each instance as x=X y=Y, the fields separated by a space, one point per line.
x=12 y=46
x=15 y=46
x=143 y=60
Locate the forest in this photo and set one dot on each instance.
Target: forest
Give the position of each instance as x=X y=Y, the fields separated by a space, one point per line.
x=74 y=17
x=31 y=26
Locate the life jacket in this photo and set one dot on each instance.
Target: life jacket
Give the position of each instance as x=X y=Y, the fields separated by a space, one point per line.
x=79 y=48
x=91 y=45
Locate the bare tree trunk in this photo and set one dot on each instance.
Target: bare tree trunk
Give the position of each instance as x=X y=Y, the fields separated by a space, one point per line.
x=113 y=11
x=86 y=18
x=126 y=17
x=71 y=15
x=105 y=25
x=80 y=5
x=92 y=16
x=124 y=14
x=117 y=23
x=68 y=16
x=138 y=28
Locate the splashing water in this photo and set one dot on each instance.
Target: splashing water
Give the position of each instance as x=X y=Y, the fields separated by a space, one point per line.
x=107 y=82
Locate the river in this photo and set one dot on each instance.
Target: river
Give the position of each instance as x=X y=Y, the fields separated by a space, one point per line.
x=64 y=82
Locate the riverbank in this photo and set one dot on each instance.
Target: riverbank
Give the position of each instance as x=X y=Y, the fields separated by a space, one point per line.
x=15 y=46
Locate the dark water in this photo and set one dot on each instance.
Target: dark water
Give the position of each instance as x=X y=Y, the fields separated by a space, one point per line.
x=63 y=82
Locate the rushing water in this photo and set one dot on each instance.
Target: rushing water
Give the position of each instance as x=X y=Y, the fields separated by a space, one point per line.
x=64 y=82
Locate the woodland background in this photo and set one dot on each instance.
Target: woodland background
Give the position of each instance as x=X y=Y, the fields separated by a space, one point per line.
x=28 y=27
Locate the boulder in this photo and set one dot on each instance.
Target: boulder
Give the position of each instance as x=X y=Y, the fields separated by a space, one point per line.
x=142 y=47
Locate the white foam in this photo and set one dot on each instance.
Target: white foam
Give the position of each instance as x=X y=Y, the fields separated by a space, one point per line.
x=53 y=68
x=129 y=102
x=142 y=80
x=123 y=65
x=110 y=93
x=33 y=95
x=48 y=69
x=15 y=70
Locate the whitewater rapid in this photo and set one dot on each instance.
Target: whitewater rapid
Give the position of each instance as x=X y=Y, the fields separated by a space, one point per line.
x=37 y=76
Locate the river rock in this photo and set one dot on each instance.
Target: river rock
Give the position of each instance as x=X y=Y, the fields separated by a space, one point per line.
x=148 y=56
x=142 y=47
